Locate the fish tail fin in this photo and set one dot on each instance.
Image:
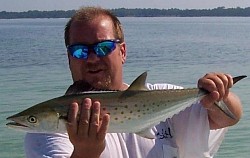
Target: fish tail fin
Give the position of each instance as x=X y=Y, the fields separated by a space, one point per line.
x=222 y=106
x=238 y=78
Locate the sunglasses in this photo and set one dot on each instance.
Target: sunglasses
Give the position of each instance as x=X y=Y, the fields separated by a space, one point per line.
x=101 y=49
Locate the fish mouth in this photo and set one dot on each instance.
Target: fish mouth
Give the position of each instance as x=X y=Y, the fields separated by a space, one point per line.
x=15 y=124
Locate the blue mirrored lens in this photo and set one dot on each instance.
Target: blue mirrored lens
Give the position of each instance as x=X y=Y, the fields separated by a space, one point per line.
x=79 y=51
x=104 y=48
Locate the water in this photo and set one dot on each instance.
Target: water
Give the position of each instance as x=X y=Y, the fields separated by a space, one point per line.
x=34 y=68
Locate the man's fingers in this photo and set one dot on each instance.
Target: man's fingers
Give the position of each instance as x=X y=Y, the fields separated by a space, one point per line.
x=83 y=124
x=220 y=81
x=216 y=82
x=207 y=83
x=94 y=120
x=72 y=122
x=104 y=127
x=229 y=84
x=208 y=100
x=89 y=125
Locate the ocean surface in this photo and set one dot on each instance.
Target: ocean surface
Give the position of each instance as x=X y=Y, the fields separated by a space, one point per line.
x=34 y=65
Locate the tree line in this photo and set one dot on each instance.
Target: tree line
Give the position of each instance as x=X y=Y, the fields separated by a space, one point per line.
x=124 y=12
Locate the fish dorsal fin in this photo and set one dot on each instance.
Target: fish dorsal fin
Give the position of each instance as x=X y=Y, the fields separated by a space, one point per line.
x=139 y=83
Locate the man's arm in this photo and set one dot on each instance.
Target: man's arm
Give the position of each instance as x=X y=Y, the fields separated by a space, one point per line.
x=218 y=84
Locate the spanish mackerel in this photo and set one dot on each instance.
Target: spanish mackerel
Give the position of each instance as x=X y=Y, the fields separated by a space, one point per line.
x=135 y=110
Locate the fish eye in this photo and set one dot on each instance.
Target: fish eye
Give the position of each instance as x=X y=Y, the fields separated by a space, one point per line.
x=32 y=119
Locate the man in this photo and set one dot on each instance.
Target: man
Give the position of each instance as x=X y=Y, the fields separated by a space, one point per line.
x=97 y=52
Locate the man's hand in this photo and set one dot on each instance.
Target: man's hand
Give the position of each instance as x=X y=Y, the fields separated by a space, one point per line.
x=86 y=129
x=218 y=85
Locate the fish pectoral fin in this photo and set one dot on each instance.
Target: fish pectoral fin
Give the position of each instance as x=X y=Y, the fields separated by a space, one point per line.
x=147 y=133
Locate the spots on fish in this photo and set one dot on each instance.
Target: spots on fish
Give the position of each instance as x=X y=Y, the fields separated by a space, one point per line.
x=126 y=112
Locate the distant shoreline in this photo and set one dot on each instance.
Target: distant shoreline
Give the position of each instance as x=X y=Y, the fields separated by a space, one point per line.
x=123 y=12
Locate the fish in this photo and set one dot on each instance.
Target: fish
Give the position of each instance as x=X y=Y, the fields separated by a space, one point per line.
x=135 y=110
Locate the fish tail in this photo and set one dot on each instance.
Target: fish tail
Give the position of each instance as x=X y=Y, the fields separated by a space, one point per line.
x=221 y=105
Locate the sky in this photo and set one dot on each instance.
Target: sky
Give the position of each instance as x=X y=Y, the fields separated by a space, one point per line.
x=48 y=5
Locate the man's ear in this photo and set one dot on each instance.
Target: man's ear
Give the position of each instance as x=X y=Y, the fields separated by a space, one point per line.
x=123 y=52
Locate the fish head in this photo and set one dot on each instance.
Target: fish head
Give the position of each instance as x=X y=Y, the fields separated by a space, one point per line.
x=36 y=120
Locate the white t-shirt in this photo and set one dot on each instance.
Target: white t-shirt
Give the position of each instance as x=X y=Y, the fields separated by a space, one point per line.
x=185 y=135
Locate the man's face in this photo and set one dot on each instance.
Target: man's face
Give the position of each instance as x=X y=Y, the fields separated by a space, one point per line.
x=100 y=72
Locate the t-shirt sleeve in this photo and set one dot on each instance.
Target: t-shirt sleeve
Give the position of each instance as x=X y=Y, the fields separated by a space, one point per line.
x=191 y=128
x=193 y=134
x=215 y=139
x=38 y=145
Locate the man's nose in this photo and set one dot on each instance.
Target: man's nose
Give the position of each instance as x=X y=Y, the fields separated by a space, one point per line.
x=92 y=57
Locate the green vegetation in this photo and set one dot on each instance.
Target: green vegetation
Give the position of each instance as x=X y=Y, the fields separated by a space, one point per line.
x=123 y=12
